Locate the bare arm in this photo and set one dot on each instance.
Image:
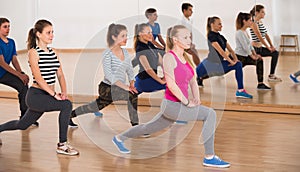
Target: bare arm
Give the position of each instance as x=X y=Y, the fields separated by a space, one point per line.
x=149 y=70
x=231 y=51
x=17 y=71
x=62 y=81
x=222 y=52
x=169 y=66
x=256 y=31
x=161 y=40
x=33 y=61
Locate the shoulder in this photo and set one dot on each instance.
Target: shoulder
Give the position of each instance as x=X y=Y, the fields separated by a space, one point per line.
x=32 y=54
x=107 y=52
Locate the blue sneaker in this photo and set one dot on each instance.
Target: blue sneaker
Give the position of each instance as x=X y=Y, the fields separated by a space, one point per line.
x=296 y=81
x=120 y=145
x=243 y=94
x=99 y=114
x=215 y=162
x=181 y=122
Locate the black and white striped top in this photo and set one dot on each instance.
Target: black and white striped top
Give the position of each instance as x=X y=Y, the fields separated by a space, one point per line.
x=48 y=64
x=262 y=30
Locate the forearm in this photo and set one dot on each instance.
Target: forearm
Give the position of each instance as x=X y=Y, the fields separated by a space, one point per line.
x=9 y=69
x=153 y=75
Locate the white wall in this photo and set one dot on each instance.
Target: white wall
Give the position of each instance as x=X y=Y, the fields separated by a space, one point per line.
x=77 y=23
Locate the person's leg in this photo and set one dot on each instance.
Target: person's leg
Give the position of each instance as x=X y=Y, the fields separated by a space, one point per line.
x=294 y=77
x=238 y=72
x=148 y=85
x=118 y=93
x=103 y=100
x=15 y=82
x=296 y=74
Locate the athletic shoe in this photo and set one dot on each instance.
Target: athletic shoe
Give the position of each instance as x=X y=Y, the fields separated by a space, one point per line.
x=99 y=114
x=215 y=162
x=120 y=146
x=145 y=135
x=294 y=79
x=181 y=122
x=66 y=149
x=262 y=86
x=200 y=82
x=273 y=78
x=72 y=124
x=243 y=94
x=35 y=124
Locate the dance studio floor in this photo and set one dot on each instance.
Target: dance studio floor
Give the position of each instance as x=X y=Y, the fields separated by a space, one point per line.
x=262 y=134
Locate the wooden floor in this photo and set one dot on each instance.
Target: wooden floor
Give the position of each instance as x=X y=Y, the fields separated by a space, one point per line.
x=246 y=137
x=250 y=141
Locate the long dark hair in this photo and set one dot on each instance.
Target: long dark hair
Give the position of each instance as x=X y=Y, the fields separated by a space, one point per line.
x=210 y=20
x=240 y=18
x=114 y=30
x=38 y=27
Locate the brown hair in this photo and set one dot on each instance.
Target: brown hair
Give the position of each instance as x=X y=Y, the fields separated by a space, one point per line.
x=172 y=32
x=210 y=20
x=3 y=20
x=114 y=30
x=38 y=27
x=256 y=8
x=240 y=18
x=149 y=11
x=137 y=29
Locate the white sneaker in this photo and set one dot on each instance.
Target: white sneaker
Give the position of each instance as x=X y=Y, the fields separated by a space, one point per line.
x=273 y=78
x=66 y=149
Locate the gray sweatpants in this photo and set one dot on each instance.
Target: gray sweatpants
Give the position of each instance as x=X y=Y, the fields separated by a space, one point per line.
x=296 y=74
x=172 y=111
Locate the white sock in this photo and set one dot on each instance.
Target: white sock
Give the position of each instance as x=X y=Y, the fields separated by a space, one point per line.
x=209 y=157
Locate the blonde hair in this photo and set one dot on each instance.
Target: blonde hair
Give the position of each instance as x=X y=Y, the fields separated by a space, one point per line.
x=172 y=32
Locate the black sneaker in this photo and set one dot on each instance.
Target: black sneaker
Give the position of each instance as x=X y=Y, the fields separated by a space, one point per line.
x=200 y=82
x=263 y=87
x=72 y=124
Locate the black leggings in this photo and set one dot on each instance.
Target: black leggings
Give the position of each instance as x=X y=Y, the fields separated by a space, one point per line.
x=258 y=63
x=38 y=102
x=265 y=52
x=108 y=94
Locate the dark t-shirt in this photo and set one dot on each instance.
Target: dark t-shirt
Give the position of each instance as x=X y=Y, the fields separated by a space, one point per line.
x=151 y=53
x=213 y=55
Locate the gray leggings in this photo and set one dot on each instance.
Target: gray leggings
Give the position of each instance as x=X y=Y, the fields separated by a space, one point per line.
x=38 y=102
x=296 y=74
x=172 y=111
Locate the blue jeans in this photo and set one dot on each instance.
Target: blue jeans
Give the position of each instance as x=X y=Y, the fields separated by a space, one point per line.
x=148 y=85
x=208 y=69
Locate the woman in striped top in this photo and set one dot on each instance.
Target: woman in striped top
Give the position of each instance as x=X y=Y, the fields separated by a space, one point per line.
x=41 y=96
x=116 y=65
x=261 y=41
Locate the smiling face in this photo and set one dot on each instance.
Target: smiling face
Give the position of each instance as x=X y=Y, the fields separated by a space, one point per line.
x=121 y=39
x=4 y=29
x=152 y=17
x=248 y=23
x=183 y=38
x=146 y=34
x=261 y=14
x=47 y=35
x=217 y=25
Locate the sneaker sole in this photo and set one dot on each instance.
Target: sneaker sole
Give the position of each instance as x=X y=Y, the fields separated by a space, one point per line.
x=73 y=126
x=263 y=89
x=145 y=136
x=244 y=97
x=65 y=153
x=219 y=166
x=127 y=152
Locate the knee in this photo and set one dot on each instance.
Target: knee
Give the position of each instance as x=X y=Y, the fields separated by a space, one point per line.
x=67 y=105
x=212 y=114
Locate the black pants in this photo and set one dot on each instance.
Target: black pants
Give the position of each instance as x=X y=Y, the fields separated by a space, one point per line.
x=108 y=94
x=39 y=101
x=264 y=52
x=16 y=83
x=258 y=63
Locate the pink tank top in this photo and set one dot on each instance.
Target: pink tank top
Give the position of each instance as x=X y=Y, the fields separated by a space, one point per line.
x=183 y=73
